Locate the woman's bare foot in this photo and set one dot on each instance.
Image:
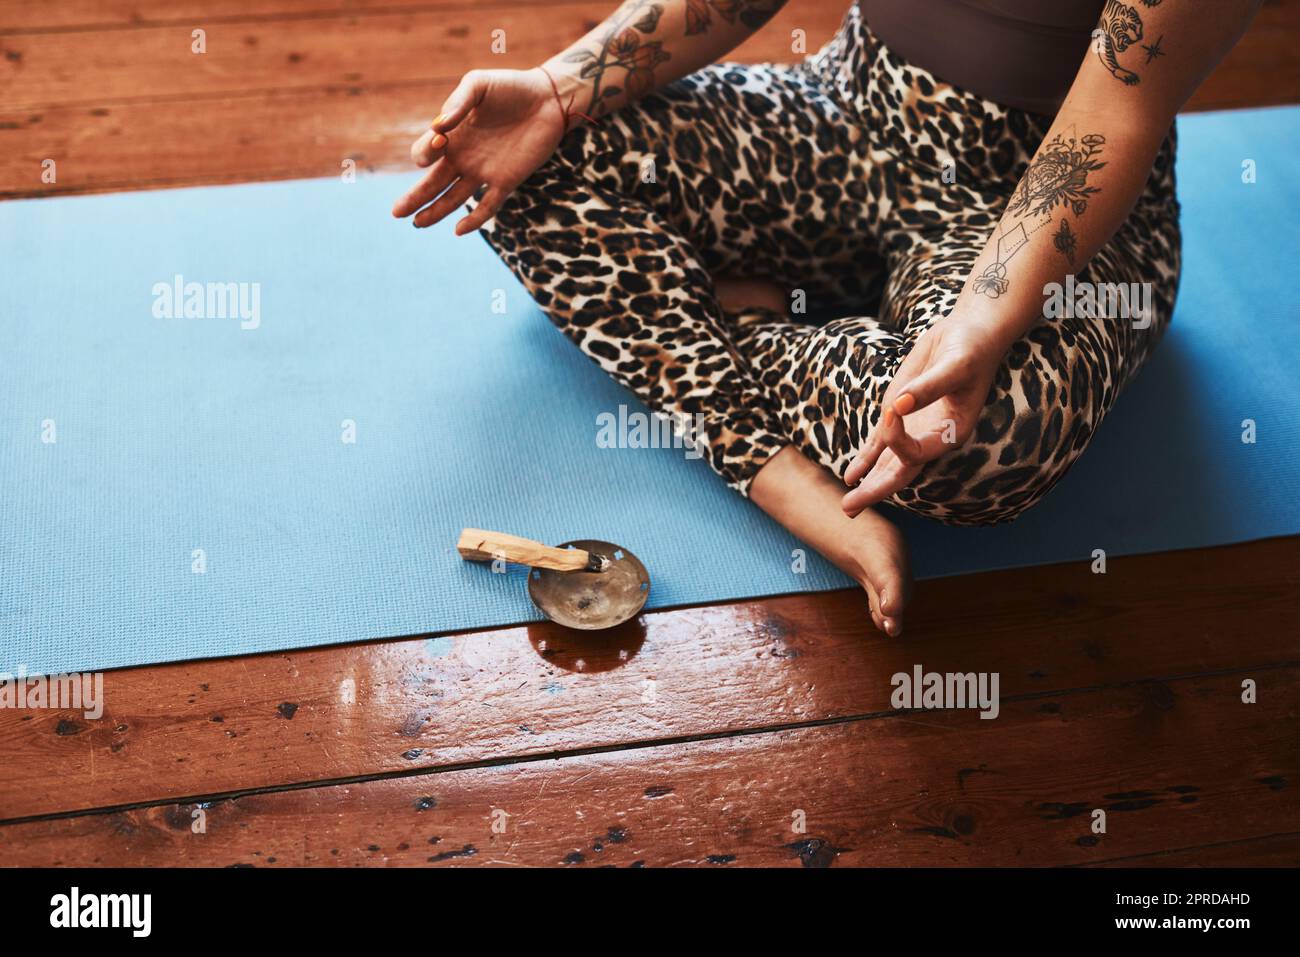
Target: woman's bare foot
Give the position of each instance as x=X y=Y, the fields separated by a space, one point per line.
x=737 y=295
x=805 y=498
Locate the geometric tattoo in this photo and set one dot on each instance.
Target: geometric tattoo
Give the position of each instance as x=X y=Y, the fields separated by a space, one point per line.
x=1057 y=176
x=993 y=281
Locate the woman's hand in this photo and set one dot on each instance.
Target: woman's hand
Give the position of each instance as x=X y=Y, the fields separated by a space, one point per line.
x=496 y=128
x=940 y=390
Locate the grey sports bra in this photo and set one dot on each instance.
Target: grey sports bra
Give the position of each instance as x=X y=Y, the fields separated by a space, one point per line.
x=1022 y=53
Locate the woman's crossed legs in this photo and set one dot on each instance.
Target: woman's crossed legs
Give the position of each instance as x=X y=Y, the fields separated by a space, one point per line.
x=755 y=172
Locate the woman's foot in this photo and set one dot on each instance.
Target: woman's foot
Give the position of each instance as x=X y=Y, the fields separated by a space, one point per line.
x=738 y=295
x=805 y=498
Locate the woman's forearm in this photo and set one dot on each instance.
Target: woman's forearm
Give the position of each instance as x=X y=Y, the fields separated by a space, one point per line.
x=1077 y=191
x=1094 y=162
x=646 y=44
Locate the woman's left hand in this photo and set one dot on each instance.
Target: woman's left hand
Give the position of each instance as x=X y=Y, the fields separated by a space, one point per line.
x=496 y=128
x=931 y=407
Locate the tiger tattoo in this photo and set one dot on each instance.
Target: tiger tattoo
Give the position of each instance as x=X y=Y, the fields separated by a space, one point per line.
x=1120 y=28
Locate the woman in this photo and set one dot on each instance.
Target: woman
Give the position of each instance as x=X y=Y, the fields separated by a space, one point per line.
x=852 y=268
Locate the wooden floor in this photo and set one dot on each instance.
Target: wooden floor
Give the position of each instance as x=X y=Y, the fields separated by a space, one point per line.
x=111 y=91
x=755 y=733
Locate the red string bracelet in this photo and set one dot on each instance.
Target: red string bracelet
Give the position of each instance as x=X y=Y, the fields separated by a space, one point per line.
x=566 y=110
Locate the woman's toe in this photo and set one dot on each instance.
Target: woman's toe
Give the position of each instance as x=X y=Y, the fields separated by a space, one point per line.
x=891 y=599
x=890 y=596
x=873 y=605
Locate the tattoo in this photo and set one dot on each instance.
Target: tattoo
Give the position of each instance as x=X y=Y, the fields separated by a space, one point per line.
x=623 y=47
x=1066 y=242
x=1153 y=50
x=1058 y=175
x=751 y=13
x=1120 y=28
x=626 y=44
x=993 y=281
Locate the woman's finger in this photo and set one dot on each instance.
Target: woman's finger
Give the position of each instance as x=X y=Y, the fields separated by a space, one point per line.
x=930 y=386
x=888 y=476
x=455 y=197
x=427 y=148
x=877 y=442
x=485 y=210
x=919 y=450
x=903 y=445
x=898 y=461
x=468 y=94
x=426 y=190
x=866 y=457
x=916 y=450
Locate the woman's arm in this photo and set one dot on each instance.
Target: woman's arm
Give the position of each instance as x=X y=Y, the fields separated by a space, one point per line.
x=645 y=45
x=1095 y=159
x=498 y=126
x=1145 y=61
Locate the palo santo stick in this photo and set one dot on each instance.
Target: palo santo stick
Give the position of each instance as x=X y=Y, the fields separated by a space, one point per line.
x=478 y=545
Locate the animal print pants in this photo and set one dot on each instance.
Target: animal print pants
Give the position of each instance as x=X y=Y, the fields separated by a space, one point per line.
x=825 y=178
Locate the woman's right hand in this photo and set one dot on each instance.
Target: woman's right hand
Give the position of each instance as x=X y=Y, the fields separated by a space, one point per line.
x=496 y=128
x=941 y=387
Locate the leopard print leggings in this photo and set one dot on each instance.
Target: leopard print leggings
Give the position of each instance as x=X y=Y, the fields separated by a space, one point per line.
x=826 y=178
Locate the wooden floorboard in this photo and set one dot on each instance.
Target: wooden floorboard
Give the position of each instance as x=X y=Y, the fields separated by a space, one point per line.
x=24 y=16
x=1172 y=763
x=157 y=64
x=211 y=727
x=1281 y=850
x=265 y=136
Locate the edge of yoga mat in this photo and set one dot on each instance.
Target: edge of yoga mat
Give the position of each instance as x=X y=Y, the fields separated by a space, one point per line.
x=203 y=435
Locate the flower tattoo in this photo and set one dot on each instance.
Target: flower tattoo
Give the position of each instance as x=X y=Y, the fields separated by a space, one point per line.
x=993 y=281
x=751 y=13
x=624 y=48
x=1058 y=176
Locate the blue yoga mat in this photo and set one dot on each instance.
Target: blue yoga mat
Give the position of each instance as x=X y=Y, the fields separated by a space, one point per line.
x=181 y=488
